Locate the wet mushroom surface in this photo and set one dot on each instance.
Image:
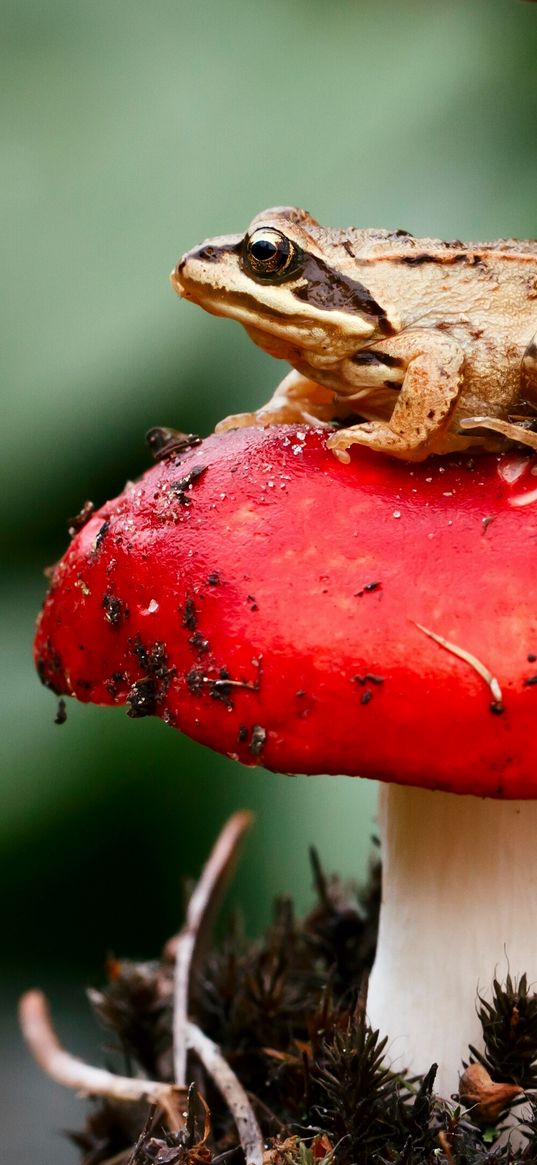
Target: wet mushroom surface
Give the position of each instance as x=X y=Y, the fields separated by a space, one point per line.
x=312 y=617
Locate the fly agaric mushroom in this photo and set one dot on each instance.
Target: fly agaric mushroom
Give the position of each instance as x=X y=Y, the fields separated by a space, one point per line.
x=377 y=619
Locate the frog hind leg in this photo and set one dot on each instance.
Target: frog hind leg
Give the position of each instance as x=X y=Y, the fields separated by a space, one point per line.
x=297 y=400
x=512 y=430
x=429 y=393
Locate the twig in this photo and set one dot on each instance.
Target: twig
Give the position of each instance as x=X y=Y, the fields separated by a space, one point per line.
x=74 y=1073
x=45 y=1047
x=43 y=1042
x=214 y=879
x=267 y=1111
x=319 y=877
x=461 y=653
x=232 y=1091
x=149 y=1121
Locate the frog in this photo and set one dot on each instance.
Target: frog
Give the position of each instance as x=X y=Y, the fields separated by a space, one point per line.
x=407 y=346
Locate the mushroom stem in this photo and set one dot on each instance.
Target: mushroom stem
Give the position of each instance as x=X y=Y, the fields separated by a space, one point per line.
x=459 y=907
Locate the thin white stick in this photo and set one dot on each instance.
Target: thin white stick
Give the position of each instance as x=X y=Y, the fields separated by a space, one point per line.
x=474 y=662
x=232 y=1091
x=74 y=1073
x=37 y=1029
x=213 y=881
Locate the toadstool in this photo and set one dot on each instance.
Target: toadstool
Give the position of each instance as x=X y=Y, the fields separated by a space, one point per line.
x=376 y=619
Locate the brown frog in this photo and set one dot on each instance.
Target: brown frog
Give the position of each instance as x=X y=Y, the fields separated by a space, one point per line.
x=412 y=346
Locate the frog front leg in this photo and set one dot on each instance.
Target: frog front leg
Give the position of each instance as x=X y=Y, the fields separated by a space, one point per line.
x=429 y=391
x=297 y=400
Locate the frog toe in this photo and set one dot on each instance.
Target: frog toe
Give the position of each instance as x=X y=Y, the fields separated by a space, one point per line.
x=364 y=434
x=508 y=429
x=377 y=435
x=238 y=421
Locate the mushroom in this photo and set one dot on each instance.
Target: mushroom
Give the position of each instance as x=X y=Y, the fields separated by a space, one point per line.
x=377 y=619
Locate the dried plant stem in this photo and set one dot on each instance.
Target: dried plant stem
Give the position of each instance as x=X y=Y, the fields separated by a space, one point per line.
x=232 y=1091
x=68 y=1070
x=37 y=1029
x=43 y=1042
x=191 y=939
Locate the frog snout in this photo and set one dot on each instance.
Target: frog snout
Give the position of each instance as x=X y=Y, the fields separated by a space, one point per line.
x=176 y=277
x=190 y=270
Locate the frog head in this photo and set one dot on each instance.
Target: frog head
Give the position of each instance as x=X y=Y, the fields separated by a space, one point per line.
x=282 y=280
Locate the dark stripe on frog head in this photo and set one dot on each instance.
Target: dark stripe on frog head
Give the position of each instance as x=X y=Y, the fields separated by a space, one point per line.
x=369 y=358
x=329 y=290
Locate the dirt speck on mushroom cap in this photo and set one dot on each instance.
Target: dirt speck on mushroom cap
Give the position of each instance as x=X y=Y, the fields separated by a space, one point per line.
x=270 y=545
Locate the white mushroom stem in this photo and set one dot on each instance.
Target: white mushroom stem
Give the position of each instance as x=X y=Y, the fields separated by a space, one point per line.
x=459 y=907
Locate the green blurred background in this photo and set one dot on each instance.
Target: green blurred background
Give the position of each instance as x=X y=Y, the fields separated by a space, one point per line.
x=131 y=131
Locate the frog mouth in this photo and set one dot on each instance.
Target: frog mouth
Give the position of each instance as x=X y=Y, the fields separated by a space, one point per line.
x=253 y=311
x=177 y=281
x=246 y=310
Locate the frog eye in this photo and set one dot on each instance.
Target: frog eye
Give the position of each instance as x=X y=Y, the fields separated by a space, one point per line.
x=268 y=252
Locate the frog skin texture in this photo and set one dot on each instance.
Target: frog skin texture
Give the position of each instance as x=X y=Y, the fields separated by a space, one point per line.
x=410 y=346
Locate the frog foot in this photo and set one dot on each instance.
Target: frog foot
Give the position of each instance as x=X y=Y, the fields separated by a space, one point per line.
x=287 y=413
x=238 y=421
x=508 y=429
x=380 y=437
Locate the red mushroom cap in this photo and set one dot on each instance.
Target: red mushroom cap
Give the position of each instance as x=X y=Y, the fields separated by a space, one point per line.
x=278 y=606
